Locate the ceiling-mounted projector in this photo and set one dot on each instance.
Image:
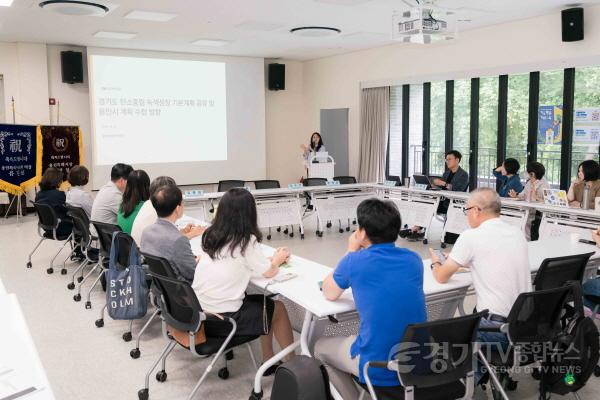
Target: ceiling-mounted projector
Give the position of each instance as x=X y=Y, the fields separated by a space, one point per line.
x=75 y=8
x=424 y=24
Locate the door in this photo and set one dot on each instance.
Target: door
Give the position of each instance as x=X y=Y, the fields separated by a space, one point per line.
x=334 y=130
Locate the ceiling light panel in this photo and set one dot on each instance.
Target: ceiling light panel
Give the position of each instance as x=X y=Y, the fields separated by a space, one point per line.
x=114 y=35
x=150 y=16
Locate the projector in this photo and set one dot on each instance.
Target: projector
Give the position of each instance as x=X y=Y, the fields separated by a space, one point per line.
x=423 y=25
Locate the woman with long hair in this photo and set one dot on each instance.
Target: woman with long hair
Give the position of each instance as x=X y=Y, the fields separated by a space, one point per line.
x=316 y=145
x=231 y=256
x=136 y=193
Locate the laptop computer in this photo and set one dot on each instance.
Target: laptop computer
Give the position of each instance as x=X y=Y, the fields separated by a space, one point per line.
x=424 y=180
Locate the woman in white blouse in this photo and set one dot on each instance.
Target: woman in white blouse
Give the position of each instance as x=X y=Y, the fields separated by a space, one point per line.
x=231 y=256
x=76 y=195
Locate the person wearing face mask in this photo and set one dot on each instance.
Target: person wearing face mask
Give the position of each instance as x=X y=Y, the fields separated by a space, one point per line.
x=533 y=192
x=164 y=239
x=588 y=175
x=315 y=145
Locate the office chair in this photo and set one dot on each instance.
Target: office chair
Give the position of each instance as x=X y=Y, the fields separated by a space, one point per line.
x=181 y=310
x=345 y=180
x=125 y=244
x=230 y=184
x=81 y=232
x=104 y=232
x=555 y=272
x=447 y=374
x=531 y=327
x=270 y=184
x=48 y=223
x=595 y=300
x=314 y=182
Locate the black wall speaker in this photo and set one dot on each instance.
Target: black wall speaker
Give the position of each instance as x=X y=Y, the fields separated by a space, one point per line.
x=276 y=76
x=71 y=66
x=572 y=24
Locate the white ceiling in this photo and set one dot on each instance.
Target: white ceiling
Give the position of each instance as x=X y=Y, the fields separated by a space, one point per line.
x=254 y=27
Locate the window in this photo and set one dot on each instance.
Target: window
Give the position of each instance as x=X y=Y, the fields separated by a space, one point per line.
x=586 y=118
x=395 y=139
x=550 y=124
x=437 y=134
x=415 y=130
x=517 y=118
x=462 y=120
x=488 y=131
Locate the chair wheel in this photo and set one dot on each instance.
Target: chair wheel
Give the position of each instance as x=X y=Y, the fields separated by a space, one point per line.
x=279 y=229
x=223 y=373
x=268 y=237
x=143 y=394
x=286 y=230
x=50 y=271
x=347 y=229
x=63 y=271
x=255 y=396
x=77 y=297
x=71 y=286
x=29 y=265
x=443 y=245
x=597 y=370
x=161 y=376
x=341 y=230
x=135 y=353
x=88 y=305
x=328 y=225
x=425 y=241
x=302 y=236
x=127 y=336
x=99 y=323
x=229 y=355
x=354 y=222
x=292 y=234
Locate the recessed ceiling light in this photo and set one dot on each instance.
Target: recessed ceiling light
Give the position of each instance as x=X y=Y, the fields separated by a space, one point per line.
x=75 y=8
x=211 y=42
x=5 y=3
x=114 y=35
x=150 y=16
x=315 y=31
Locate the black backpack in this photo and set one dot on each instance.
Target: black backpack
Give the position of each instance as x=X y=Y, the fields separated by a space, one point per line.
x=301 y=378
x=576 y=355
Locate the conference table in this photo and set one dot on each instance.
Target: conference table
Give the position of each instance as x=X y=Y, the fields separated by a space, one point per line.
x=22 y=374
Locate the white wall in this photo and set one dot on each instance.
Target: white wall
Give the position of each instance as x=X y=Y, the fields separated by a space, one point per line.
x=284 y=123
x=520 y=46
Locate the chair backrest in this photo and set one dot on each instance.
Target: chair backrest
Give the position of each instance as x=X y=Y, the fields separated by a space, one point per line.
x=229 y=184
x=178 y=303
x=47 y=218
x=267 y=184
x=454 y=340
x=105 y=232
x=345 y=180
x=555 y=272
x=81 y=226
x=315 y=181
x=125 y=244
x=535 y=316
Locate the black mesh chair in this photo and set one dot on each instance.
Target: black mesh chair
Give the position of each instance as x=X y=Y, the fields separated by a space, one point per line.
x=105 y=232
x=314 y=181
x=84 y=238
x=230 y=184
x=48 y=223
x=267 y=184
x=595 y=300
x=531 y=327
x=181 y=310
x=555 y=272
x=345 y=180
x=433 y=361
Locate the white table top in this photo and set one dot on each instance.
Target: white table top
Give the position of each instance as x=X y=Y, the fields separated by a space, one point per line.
x=18 y=353
x=559 y=246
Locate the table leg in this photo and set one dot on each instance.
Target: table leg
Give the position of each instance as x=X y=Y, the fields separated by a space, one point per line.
x=304 y=334
x=272 y=361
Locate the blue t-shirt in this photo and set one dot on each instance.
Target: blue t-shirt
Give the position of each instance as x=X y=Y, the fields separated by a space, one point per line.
x=387 y=284
x=506 y=184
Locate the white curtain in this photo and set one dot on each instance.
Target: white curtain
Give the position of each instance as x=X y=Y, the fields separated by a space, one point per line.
x=375 y=118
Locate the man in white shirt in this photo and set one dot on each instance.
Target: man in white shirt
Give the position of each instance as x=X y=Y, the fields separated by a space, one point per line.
x=496 y=253
x=109 y=197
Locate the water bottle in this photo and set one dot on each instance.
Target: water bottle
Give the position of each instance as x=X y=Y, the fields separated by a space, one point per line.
x=585 y=205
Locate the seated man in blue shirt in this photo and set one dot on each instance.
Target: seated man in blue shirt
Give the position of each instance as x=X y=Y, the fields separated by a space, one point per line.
x=387 y=285
x=508 y=175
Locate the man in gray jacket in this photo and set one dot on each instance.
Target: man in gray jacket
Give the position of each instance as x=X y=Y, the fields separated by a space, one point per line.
x=164 y=239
